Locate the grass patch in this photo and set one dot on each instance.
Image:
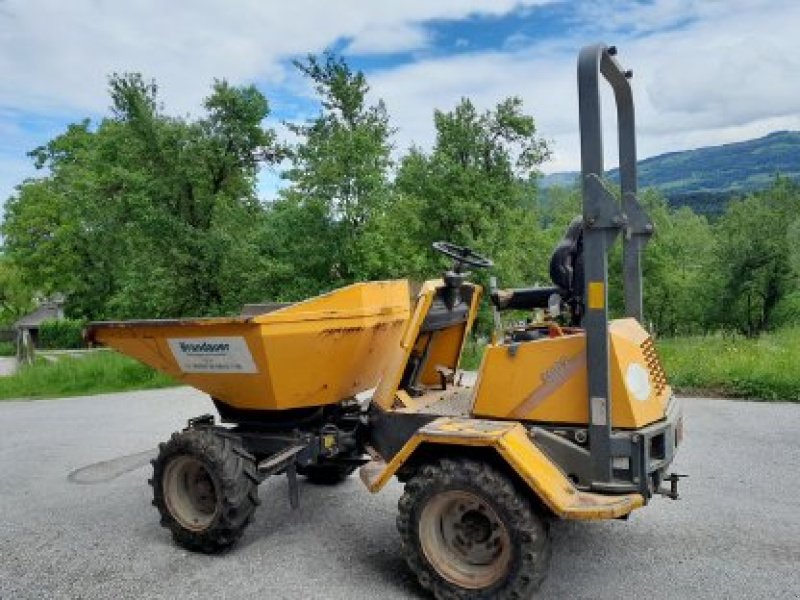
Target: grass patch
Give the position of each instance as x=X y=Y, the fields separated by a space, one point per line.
x=472 y=354
x=93 y=373
x=766 y=368
x=8 y=349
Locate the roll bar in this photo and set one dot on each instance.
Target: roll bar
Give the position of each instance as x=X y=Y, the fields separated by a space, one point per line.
x=604 y=219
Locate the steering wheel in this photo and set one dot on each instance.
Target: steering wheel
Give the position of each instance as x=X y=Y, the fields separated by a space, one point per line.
x=463 y=255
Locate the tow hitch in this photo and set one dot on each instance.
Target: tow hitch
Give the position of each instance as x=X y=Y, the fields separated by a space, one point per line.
x=672 y=492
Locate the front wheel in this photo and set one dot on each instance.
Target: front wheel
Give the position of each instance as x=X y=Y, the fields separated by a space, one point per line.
x=205 y=486
x=467 y=532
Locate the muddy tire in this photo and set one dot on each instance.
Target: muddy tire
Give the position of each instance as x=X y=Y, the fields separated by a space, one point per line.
x=468 y=532
x=326 y=474
x=205 y=487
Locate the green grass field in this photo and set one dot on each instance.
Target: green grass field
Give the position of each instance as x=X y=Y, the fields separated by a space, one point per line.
x=93 y=373
x=766 y=368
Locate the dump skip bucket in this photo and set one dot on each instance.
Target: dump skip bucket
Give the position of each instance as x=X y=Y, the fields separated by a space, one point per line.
x=313 y=353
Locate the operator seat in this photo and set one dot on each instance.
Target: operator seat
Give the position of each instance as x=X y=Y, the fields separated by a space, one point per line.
x=566 y=271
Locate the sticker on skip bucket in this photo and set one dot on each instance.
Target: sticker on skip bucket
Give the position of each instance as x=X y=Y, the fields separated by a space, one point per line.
x=213 y=355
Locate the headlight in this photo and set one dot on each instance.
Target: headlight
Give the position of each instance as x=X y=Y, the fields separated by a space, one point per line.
x=638 y=381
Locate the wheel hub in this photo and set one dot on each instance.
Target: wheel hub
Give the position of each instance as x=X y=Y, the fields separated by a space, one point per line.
x=190 y=493
x=464 y=539
x=475 y=526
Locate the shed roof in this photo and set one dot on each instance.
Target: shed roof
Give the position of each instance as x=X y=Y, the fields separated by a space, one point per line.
x=46 y=311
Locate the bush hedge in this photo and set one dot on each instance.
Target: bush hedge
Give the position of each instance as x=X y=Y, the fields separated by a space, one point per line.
x=61 y=334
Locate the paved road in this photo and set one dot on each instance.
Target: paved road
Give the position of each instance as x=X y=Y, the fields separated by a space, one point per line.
x=8 y=366
x=736 y=533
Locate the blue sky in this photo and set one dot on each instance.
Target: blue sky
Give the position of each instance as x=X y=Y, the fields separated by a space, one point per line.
x=707 y=72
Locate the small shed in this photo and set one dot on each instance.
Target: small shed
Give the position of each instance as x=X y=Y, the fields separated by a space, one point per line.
x=52 y=309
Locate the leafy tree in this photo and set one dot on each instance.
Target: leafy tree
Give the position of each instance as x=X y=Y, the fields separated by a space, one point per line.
x=680 y=286
x=556 y=208
x=477 y=188
x=338 y=182
x=50 y=231
x=15 y=297
x=755 y=257
x=142 y=216
x=477 y=185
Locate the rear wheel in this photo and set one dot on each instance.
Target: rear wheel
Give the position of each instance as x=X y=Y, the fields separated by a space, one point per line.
x=468 y=532
x=205 y=486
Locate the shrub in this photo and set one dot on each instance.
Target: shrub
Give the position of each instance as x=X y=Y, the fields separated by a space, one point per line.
x=61 y=334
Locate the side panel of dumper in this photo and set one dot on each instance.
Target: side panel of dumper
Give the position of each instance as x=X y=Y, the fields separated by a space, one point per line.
x=546 y=380
x=313 y=353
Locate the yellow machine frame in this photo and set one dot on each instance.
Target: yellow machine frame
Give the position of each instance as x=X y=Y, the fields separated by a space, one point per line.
x=542 y=381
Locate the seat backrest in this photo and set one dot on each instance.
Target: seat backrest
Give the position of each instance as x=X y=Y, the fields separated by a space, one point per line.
x=566 y=263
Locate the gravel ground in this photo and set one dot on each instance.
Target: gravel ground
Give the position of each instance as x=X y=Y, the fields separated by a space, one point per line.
x=72 y=532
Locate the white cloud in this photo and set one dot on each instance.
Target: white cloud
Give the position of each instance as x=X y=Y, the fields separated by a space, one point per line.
x=387 y=39
x=727 y=74
x=640 y=17
x=56 y=55
x=542 y=80
x=707 y=71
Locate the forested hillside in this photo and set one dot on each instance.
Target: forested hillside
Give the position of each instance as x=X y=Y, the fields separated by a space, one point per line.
x=144 y=214
x=705 y=179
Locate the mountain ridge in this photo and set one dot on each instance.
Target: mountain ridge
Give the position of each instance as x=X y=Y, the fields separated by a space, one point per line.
x=707 y=178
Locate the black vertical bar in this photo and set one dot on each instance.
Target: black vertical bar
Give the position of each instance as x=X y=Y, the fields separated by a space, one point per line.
x=631 y=241
x=294 y=488
x=638 y=226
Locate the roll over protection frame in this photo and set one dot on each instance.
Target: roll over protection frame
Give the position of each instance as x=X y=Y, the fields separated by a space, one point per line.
x=603 y=219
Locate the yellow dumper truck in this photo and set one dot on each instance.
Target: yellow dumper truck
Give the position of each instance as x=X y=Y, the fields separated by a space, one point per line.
x=568 y=417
